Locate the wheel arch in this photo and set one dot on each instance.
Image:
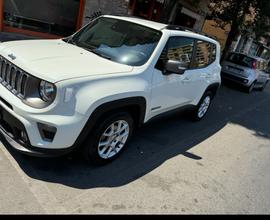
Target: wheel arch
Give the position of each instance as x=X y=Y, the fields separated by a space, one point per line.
x=136 y=106
x=213 y=88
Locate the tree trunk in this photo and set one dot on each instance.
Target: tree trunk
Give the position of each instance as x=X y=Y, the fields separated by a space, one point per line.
x=232 y=35
x=236 y=20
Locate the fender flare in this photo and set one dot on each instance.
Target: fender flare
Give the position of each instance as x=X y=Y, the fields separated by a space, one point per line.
x=108 y=107
x=213 y=88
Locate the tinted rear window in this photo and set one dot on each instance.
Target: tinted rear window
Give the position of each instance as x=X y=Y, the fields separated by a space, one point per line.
x=241 y=60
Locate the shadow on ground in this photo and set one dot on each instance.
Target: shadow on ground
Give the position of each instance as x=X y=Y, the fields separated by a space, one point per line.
x=156 y=143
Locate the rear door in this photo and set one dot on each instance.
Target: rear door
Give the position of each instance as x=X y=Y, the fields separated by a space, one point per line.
x=203 y=69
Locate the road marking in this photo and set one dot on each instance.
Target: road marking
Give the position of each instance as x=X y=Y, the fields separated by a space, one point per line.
x=39 y=189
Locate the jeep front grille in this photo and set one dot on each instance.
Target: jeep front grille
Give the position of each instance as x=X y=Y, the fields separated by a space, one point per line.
x=13 y=78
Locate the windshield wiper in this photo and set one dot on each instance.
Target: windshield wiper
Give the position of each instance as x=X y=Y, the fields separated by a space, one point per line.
x=98 y=53
x=69 y=41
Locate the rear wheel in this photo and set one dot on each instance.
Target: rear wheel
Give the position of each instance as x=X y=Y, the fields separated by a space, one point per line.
x=108 y=140
x=251 y=88
x=202 y=108
x=263 y=87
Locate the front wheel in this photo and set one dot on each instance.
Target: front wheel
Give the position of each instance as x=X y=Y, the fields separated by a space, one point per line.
x=108 y=140
x=202 y=108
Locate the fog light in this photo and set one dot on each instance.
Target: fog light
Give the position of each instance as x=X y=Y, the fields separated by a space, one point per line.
x=24 y=136
x=47 y=132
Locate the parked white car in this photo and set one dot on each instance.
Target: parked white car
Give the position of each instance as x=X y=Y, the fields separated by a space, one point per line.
x=246 y=71
x=91 y=90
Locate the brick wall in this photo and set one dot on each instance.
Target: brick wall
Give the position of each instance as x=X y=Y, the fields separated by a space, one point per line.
x=111 y=7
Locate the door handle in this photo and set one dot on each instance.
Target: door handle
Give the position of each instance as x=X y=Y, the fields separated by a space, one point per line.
x=206 y=75
x=186 y=79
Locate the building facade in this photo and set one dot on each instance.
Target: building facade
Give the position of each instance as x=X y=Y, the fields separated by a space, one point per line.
x=41 y=18
x=54 y=18
x=190 y=13
x=110 y=7
x=210 y=27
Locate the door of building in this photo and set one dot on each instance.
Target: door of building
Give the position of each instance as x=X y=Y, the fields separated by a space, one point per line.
x=147 y=9
x=184 y=20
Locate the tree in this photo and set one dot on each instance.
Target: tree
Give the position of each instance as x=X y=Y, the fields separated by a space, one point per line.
x=244 y=16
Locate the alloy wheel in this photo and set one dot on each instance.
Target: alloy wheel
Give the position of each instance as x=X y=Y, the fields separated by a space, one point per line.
x=204 y=106
x=113 y=139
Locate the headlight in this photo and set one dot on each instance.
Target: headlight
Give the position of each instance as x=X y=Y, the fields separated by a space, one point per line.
x=47 y=91
x=39 y=93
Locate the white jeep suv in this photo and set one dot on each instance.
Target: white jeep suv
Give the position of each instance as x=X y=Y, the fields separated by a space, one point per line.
x=91 y=90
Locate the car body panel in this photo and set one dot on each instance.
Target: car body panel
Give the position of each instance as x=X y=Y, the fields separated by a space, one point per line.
x=244 y=75
x=56 y=60
x=86 y=81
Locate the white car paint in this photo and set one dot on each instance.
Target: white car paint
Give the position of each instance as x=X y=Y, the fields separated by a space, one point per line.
x=55 y=60
x=249 y=74
x=85 y=81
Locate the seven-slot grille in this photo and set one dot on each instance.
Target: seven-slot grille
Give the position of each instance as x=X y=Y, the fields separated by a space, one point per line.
x=12 y=78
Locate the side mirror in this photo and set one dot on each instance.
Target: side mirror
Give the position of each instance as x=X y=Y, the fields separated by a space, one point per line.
x=175 y=67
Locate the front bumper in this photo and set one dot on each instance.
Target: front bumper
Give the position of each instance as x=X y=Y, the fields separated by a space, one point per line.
x=32 y=151
x=62 y=116
x=11 y=128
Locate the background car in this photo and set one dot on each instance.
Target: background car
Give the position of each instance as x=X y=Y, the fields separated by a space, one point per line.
x=246 y=71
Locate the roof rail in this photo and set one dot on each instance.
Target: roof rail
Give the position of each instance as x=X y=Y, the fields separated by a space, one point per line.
x=182 y=28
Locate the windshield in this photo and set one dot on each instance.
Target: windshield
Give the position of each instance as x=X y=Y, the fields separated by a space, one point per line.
x=242 y=60
x=120 y=41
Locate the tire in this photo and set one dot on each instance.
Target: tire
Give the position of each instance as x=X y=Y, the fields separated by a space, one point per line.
x=102 y=139
x=263 y=87
x=251 y=88
x=200 y=112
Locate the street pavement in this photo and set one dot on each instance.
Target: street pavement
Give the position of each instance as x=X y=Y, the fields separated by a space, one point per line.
x=217 y=166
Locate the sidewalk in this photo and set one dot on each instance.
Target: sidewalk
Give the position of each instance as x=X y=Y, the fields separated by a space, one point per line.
x=4 y=36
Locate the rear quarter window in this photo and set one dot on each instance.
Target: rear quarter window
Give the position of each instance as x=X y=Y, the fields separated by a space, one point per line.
x=205 y=54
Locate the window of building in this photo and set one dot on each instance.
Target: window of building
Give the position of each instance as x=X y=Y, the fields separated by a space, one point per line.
x=147 y=9
x=205 y=54
x=56 y=17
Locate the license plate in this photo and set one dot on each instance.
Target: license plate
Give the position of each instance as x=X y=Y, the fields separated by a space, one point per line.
x=237 y=71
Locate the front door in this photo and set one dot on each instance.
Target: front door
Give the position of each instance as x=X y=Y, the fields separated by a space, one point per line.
x=174 y=90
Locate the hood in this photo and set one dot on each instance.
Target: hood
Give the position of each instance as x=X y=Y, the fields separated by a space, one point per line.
x=56 y=60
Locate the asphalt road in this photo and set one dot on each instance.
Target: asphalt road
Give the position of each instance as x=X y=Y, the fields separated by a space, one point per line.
x=220 y=165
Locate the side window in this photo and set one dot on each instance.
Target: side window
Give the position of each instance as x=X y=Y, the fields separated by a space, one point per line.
x=205 y=54
x=177 y=49
x=213 y=53
x=259 y=65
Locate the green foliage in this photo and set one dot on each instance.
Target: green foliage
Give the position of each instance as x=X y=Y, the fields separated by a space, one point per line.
x=245 y=15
